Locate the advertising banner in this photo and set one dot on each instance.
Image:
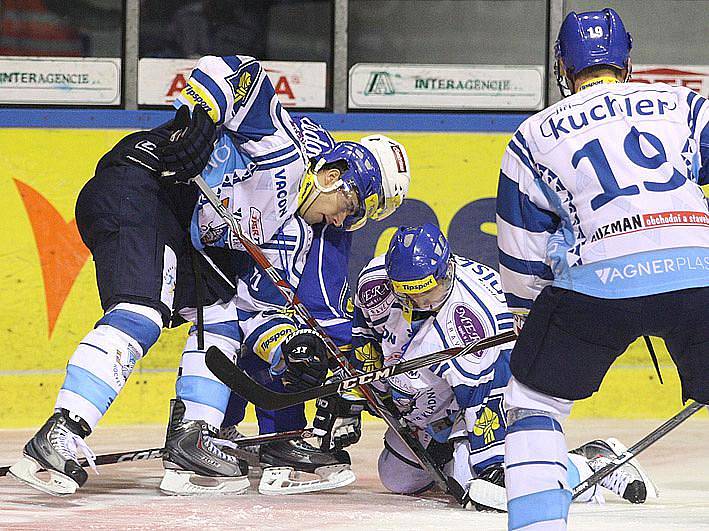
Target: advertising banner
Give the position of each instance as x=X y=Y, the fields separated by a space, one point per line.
x=298 y=84
x=690 y=76
x=464 y=87
x=48 y=286
x=75 y=81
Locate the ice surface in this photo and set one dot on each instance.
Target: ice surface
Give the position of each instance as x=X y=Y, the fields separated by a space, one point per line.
x=126 y=496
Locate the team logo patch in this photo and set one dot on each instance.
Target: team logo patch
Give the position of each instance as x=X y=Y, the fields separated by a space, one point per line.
x=370 y=357
x=373 y=294
x=490 y=427
x=243 y=81
x=464 y=326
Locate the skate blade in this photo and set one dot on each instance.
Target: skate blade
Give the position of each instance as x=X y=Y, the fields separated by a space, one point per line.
x=26 y=470
x=276 y=481
x=618 y=447
x=185 y=483
x=488 y=494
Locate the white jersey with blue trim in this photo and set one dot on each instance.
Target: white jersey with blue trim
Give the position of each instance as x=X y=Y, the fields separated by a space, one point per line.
x=467 y=390
x=600 y=194
x=259 y=158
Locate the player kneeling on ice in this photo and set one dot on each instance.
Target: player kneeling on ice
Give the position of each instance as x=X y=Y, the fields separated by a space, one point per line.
x=417 y=299
x=163 y=253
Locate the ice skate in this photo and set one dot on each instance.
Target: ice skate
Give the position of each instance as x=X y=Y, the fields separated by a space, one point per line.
x=247 y=453
x=54 y=449
x=487 y=491
x=196 y=461
x=286 y=465
x=630 y=481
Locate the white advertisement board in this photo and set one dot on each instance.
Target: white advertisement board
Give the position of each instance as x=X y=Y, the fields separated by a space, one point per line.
x=60 y=81
x=298 y=84
x=465 y=87
x=691 y=76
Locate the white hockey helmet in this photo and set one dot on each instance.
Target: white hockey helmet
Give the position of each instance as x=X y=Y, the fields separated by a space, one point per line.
x=395 y=171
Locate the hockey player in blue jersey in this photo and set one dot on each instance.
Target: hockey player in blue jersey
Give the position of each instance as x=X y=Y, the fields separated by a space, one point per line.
x=603 y=232
x=324 y=290
x=152 y=237
x=416 y=299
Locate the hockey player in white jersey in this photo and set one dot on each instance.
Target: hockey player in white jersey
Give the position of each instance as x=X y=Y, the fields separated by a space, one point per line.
x=417 y=299
x=150 y=235
x=603 y=232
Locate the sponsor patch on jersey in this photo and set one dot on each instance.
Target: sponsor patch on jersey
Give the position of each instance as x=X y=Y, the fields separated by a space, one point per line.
x=268 y=341
x=194 y=94
x=255 y=226
x=464 y=326
x=373 y=295
x=640 y=222
x=243 y=81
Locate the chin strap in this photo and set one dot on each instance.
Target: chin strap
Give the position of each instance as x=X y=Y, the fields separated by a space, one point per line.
x=310 y=188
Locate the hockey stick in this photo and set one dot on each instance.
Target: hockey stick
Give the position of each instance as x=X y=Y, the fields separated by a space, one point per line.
x=237 y=380
x=157 y=453
x=638 y=447
x=395 y=423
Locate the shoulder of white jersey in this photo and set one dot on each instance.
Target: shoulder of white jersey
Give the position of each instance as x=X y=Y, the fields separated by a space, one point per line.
x=220 y=85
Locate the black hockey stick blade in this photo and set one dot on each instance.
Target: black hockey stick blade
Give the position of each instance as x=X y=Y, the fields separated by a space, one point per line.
x=240 y=382
x=638 y=447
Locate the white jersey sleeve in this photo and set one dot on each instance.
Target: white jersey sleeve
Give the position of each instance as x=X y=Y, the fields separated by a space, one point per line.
x=600 y=194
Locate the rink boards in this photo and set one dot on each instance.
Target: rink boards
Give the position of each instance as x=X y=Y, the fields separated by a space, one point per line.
x=49 y=298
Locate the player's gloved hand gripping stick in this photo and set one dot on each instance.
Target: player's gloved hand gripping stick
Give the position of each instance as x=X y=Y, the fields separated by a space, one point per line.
x=392 y=420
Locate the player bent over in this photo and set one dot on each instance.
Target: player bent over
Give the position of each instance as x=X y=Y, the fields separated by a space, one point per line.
x=603 y=237
x=418 y=299
x=149 y=234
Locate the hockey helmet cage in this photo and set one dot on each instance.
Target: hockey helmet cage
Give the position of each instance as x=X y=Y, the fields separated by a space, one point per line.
x=589 y=39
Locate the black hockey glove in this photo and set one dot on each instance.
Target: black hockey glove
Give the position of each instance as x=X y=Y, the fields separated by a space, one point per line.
x=189 y=147
x=338 y=421
x=303 y=361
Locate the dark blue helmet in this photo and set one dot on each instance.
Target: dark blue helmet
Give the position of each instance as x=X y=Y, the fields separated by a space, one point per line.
x=589 y=39
x=418 y=260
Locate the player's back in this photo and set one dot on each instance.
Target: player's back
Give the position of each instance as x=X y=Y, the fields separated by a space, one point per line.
x=619 y=165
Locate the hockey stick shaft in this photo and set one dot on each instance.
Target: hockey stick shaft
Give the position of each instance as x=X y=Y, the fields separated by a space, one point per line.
x=157 y=453
x=288 y=293
x=637 y=448
x=240 y=382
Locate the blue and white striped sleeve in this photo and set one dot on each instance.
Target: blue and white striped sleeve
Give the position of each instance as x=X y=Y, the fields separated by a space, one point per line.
x=235 y=91
x=525 y=221
x=698 y=122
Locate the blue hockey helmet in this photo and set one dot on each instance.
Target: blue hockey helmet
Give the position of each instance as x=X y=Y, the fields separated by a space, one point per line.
x=315 y=139
x=589 y=39
x=418 y=263
x=375 y=172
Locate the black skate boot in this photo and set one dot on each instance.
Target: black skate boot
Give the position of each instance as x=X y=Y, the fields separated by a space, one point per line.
x=487 y=491
x=247 y=453
x=285 y=463
x=196 y=461
x=629 y=481
x=54 y=448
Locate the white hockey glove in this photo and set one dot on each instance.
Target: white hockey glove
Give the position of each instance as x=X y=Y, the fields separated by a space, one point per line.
x=338 y=420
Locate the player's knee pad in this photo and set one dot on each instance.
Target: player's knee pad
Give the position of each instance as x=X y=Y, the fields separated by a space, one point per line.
x=103 y=361
x=398 y=469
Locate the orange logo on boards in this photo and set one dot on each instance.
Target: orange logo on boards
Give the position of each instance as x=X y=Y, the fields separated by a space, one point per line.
x=62 y=254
